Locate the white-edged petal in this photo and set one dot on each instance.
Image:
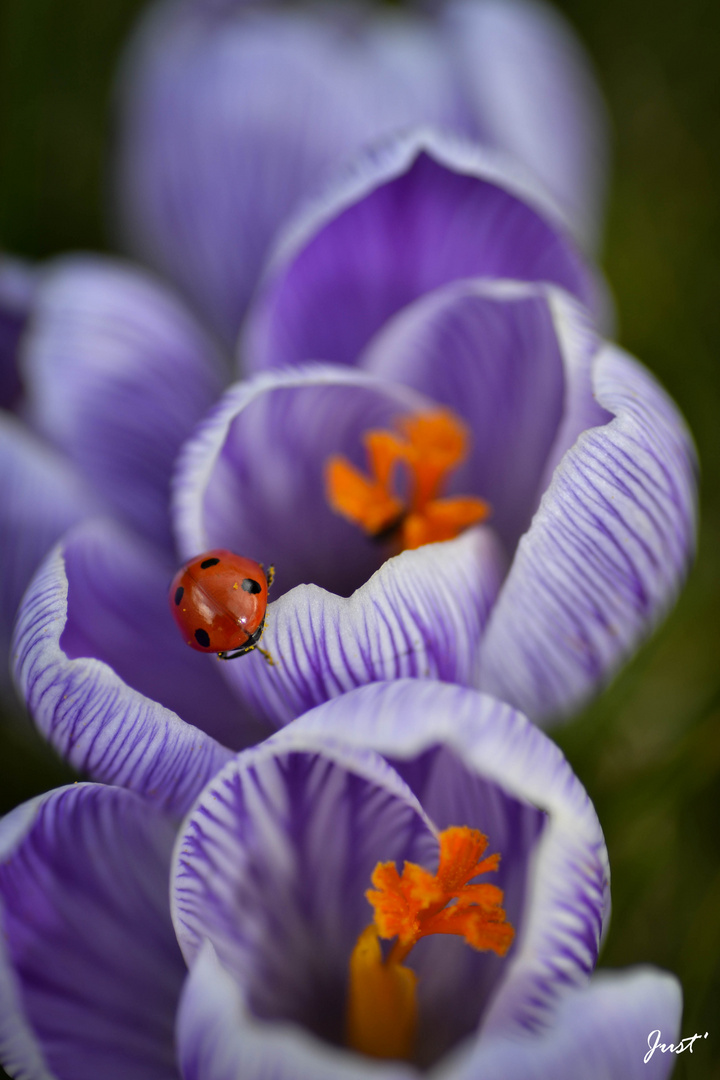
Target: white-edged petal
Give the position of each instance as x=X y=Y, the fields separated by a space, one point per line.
x=95 y=720
x=421 y=615
x=567 y=902
x=90 y=972
x=229 y=120
x=599 y=1032
x=273 y=863
x=117 y=373
x=41 y=496
x=252 y=477
x=605 y=554
x=214 y=1045
x=512 y=359
x=408 y=216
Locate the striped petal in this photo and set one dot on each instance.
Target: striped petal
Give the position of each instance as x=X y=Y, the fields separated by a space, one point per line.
x=272 y=868
x=212 y=1045
x=412 y=215
x=78 y=618
x=252 y=477
x=513 y=360
x=600 y=1031
x=40 y=497
x=605 y=555
x=530 y=92
x=567 y=893
x=228 y=120
x=117 y=374
x=90 y=972
x=452 y=751
x=422 y=615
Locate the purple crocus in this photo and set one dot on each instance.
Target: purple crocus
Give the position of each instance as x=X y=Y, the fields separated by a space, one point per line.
x=232 y=114
x=433 y=279
x=249 y=961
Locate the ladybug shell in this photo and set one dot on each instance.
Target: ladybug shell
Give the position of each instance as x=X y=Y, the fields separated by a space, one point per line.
x=219 y=600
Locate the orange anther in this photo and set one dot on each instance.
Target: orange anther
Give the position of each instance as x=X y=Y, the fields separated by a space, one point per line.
x=428 y=448
x=411 y=906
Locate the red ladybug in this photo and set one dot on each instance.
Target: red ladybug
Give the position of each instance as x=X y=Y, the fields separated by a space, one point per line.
x=219 y=601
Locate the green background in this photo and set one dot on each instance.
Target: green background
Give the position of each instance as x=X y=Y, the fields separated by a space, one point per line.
x=648 y=751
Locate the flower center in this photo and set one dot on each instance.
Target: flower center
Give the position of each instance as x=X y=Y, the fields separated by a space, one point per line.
x=382 y=1007
x=427 y=446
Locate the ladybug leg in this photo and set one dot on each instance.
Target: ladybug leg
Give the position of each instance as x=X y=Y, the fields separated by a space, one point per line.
x=269 y=574
x=243 y=652
x=234 y=655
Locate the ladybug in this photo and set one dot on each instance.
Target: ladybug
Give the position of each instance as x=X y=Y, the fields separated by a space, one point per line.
x=219 y=601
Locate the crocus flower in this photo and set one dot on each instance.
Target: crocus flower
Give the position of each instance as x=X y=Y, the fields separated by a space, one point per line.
x=579 y=464
x=231 y=114
x=255 y=957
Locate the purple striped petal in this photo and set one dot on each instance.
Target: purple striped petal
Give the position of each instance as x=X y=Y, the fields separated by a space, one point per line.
x=528 y=85
x=422 y=615
x=117 y=375
x=213 y=1045
x=599 y=1032
x=40 y=497
x=17 y=288
x=272 y=868
x=118 y=613
x=567 y=891
x=229 y=120
x=605 y=554
x=513 y=361
x=91 y=973
x=467 y=756
x=252 y=477
x=414 y=214
x=99 y=723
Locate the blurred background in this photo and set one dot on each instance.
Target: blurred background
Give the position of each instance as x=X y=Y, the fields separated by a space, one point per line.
x=649 y=750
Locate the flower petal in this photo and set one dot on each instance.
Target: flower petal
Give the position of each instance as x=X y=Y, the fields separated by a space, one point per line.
x=118 y=613
x=117 y=374
x=605 y=554
x=422 y=614
x=252 y=477
x=273 y=864
x=91 y=972
x=413 y=214
x=17 y=287
x=228 y=120
x=97 y=722
x=502 y=355
x=568 y=891
x=213 y=1045
x=530 y=89
x=600 y=1031
x=40 y=497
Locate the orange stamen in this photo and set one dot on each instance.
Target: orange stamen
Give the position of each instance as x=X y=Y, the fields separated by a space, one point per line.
x=438 y=443
x=429 y=447
x=411 y=906
x=364 y=502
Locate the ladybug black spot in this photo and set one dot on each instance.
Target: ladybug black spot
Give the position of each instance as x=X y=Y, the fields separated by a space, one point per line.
x=202 y=637
x=208 y=562
x=250 y=585
x=179 y=593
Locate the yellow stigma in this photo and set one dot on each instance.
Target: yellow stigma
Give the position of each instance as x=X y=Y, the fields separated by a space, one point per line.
x=382 y=1006
x=428 y=447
